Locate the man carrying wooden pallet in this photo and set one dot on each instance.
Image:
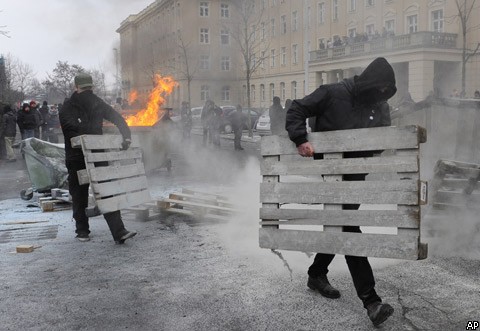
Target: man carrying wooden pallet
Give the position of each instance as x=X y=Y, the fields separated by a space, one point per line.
x=358 y=102
x=83 y=114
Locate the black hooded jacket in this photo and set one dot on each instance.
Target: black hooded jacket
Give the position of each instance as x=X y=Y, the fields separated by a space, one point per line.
x=10 y=122
x=353 y=103
x=84 y=113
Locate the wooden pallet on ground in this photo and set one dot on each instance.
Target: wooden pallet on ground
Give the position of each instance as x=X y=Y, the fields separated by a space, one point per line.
x=116 y=177
x=200 y=204
x=144 y=212
x=294 y=189
x=51 y=204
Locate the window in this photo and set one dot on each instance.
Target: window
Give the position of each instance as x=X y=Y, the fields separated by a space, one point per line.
x=254 y=61
x=294 y=21
x=412 y=24
x=264 y=4
x=263 y=60
x=274 y=3
x=262 y=92
x=390 y=26
x=335 y=10
x=283 y=56
x=272 y=23
x=282 y=90
x=224 y=11
x=321 y=13
x=283 y=24
x=370 y=29
x=262 y=29
x=437 y=20
x=204 y=92
x=295 y=54
x=204 y=36
x=272 y=58
x=204 y=9
x=226 y=93
x=224 y=37
x=294 y=90
x=272 y=91
x=252 y=93
x=204 y=62
x=352 y=5
x=225 y=63
x=370 y=3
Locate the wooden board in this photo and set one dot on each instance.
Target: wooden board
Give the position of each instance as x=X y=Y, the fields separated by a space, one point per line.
x=119 y=180
x=298 y=194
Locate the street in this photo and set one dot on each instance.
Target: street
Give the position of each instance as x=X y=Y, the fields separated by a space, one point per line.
x=181 y=273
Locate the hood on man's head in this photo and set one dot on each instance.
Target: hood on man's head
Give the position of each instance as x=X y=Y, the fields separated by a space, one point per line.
x=83 y=80
x=378 y=75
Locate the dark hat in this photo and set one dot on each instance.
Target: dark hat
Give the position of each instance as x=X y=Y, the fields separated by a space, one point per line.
x=83 y=80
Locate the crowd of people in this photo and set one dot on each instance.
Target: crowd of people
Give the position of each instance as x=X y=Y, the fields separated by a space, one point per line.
x=33 y=121
x=336 y=41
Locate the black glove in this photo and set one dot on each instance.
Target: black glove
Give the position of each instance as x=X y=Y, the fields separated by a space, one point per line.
x=126 y=143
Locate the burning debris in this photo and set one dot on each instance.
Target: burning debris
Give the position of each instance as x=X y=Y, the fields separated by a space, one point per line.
x=153 y=112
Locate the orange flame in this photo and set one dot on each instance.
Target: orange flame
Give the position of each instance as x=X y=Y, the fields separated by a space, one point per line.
x=133 y=96
x=152 y=114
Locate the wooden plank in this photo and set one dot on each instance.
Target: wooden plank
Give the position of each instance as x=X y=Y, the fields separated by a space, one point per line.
x=105 y=141
x=352 y=192
x=346 y=243
x=380 y=138
x=408 y=218
x=194 y=192
x=122 y=201
x=116 y=172
x=119 y=186
x=131 y=153
x=332 y=179
x=198 y=198
x=390 y=164
x=194 y=204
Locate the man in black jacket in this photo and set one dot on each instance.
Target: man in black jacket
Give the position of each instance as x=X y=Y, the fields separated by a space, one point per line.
x=82 y=114
x=10 y=125
x=358 y=102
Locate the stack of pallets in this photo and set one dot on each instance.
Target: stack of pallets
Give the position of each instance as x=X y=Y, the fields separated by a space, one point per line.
x=199 y=204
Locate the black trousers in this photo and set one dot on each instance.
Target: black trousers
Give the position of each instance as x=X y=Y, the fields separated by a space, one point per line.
x=237 y=138
x=359 y=267
x=79 y=195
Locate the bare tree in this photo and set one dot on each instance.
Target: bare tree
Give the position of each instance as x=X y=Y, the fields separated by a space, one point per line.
x=19 y=75
x=98 y=77
x=465 y=8
x=188 y=67
x=62 y=77
x=247 y=32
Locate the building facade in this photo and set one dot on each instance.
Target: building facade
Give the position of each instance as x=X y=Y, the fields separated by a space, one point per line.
x=298 y=45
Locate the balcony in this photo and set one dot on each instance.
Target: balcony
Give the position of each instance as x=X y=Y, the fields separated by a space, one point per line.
x=388 y=44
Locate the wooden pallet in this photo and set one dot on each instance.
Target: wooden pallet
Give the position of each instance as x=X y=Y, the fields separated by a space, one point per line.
x=294 y=190
x=61 y=194
x=52 y=204
x=144 y=212
x=199 y=204
x=116 y=177
x=455 y=186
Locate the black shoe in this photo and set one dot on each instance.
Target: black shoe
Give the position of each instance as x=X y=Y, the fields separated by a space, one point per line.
x=379 y=312
x=83 y=237
x=128 y=235
x=322 y=285
x=240 y=148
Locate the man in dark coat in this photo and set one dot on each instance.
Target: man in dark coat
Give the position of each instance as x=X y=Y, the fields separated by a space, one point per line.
x=238 y=120
x=358 y=102
x=27 y=121
x=82 y=114
x=10 y=131
x=44 y=112
x=277 y=117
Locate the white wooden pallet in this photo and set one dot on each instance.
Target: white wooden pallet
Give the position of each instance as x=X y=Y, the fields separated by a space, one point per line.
x=116 y=177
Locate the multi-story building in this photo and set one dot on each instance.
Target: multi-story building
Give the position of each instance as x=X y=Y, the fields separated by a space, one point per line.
x=301 y=44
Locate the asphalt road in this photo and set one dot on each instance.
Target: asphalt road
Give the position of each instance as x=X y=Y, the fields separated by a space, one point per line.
x=182 y=273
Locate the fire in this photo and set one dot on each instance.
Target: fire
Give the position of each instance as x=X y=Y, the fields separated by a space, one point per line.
x=132 y=97
x=152 y=113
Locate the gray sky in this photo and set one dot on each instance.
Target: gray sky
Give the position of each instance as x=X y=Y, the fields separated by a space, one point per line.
x=82 y=32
